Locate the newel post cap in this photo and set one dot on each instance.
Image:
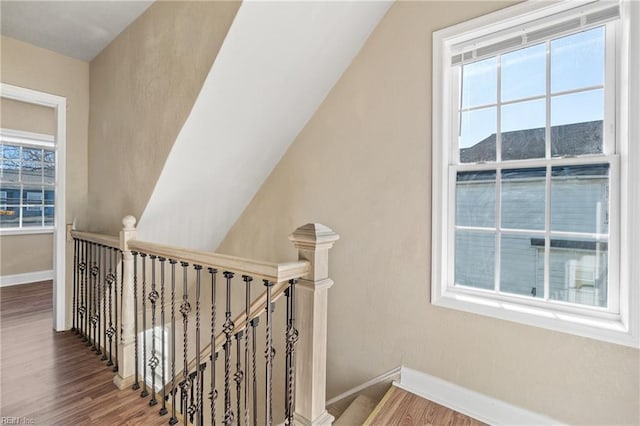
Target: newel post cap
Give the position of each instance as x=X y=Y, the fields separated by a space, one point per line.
x=129 y=223
x=313 y=236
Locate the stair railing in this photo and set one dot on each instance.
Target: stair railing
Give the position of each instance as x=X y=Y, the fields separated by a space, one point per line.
x=166 y=289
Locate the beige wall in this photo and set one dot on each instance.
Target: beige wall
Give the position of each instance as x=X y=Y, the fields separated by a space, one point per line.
x=362 y=167
x=31 y=67
x=143 y=86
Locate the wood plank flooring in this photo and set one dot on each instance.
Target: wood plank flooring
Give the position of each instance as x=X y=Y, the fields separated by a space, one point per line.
x=50 y=378
x=399 y=407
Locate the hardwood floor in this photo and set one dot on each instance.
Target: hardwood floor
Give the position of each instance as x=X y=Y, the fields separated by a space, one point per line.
x=399 y=407
x=49 y=378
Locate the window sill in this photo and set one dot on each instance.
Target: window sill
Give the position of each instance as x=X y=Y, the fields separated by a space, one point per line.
x=27 y=231
x=604 y=329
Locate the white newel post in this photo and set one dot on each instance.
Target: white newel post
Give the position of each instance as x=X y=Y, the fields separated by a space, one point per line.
x=126 y=348
x=313 y=242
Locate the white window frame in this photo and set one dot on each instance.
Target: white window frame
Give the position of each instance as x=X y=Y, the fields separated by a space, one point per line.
x=25 y=139
x=619 y=324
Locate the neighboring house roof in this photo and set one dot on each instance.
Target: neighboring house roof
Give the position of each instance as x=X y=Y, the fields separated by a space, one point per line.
x=569 y=139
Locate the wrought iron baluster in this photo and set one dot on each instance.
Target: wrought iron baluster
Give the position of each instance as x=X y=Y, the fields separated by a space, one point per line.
x=111 y=330
x=191 y=411
x=83 y=283
x=144 y=392
x=198 y=408
x=228 y=330
x=99 y=290
x=89 y=291
x=247 y=309
x=94 y=310
x=75 y=274
x=238 y=376
x=254 y=376
x=291 y=340
x=136 y=382
x=163 y=410
x=213 y=394
x=118 y=301
x=269 y=354
x=203 y=367
x=102 y=328
x=185 y=309
x=153 y=361
x=174 y=419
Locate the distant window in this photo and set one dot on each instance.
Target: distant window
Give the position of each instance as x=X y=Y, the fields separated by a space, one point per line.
x=27 y=181
x=528 y=161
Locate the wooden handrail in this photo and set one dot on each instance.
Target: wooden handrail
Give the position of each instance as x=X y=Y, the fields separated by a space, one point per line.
x=102 y=239
x=274 y=272
x=258 y=307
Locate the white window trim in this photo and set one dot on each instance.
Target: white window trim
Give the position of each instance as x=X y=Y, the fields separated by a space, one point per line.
x=622 y=328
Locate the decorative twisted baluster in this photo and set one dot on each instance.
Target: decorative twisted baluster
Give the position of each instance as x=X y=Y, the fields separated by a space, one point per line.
x=247 y=309
x=136 y=383
x=83 y=283
x=238 y=376
x=254 y=376
x=213 y=394
x=198 y=407
x=102 y=291
x=111 y=331
x=153 y=361
x=94 y=300
x=227 y=328
x=185 y=309
x=163 y=410
x=291 y=340
x=269 y=354
x=75 y=284
x=144 y=392
x=174 y=419
x=89 y=292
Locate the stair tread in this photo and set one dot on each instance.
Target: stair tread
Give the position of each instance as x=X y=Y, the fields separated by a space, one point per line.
x=401 y=407
x=357 y=412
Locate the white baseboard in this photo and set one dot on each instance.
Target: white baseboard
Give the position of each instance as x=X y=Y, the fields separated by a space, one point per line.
x=388 y=376
x=468 y=402
x=26 y=278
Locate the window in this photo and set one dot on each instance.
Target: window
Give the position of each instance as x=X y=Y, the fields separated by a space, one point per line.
x=532 y=167
x=27 y=181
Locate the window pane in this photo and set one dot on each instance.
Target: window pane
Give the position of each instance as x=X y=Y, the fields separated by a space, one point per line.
x=476 y=199
x=49 y=196
x=32 y=196
x=32 y=154
x=523 y=128
x=12 y=193
x=49 y=167
x=522 y=265
x=480 y=83
x=579 y=198
x=578 y=60
x=10 y=170
x=576 y=122
x=49 y=215
x=9 y=216
x=578 y=271
x=478 y=135
x=31 y=171
x=523 y=73
x=11 y=152
x=523 y=198
x=475 y=254
x=31 y=216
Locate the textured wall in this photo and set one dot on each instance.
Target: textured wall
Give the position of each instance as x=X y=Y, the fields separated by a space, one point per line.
x=362 y=167
x=143 y=86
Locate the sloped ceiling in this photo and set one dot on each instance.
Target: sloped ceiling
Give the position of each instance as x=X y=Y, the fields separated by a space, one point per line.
x=277 y=64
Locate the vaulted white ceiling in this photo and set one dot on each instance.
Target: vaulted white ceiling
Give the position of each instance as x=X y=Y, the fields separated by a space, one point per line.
x=79 y=29
x=277 y=64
